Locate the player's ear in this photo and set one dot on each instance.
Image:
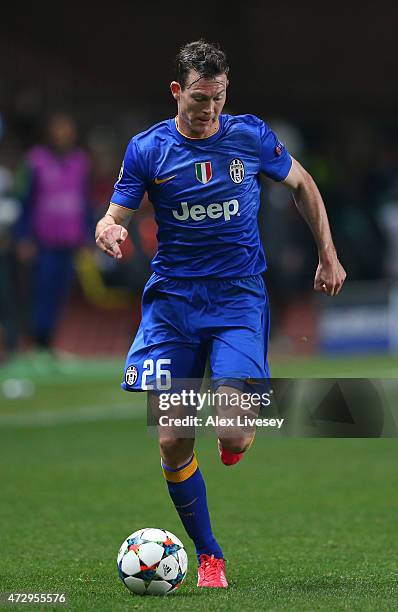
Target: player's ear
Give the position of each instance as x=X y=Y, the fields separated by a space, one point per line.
x=175 y=89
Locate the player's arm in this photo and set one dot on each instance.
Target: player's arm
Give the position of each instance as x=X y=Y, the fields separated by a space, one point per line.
x=111 y=230
x=330 y=274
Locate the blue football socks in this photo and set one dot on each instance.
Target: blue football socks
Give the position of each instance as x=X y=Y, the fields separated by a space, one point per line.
x=188 y=492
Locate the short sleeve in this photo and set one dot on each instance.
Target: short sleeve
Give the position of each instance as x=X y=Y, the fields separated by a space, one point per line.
x=130 y=187
x=275 y=161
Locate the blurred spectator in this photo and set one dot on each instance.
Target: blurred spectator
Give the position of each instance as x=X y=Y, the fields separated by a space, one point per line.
x=53 y=189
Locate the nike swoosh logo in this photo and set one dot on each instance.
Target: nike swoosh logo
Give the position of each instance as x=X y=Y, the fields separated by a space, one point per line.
x=159 y=181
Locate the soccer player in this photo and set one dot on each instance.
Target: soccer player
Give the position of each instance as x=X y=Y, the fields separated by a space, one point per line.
x=206 y=297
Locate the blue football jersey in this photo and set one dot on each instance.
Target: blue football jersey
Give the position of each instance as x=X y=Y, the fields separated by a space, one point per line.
x=205 y=193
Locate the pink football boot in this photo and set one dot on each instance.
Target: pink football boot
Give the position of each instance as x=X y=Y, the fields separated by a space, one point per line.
x=227 y=457
x=211 y=572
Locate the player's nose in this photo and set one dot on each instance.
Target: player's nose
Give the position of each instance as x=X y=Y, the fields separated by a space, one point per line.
x=209 y=110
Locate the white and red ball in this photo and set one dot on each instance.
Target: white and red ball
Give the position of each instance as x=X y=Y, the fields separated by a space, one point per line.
x=152 y=562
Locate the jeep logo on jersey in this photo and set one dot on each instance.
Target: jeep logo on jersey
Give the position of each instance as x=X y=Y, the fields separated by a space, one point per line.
x=197 y=212
x=131 y=375
x=237 y=170
x=203 y=171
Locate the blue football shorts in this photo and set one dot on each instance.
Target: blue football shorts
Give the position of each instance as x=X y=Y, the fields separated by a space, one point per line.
x=185 y=322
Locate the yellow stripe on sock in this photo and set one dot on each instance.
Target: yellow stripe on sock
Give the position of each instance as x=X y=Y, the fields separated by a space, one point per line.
x=183 y=474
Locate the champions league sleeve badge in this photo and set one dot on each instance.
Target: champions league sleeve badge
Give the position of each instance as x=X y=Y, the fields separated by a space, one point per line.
x=237 y=170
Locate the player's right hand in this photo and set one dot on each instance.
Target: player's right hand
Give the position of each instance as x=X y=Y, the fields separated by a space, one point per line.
x=109 y=239
x=330 y=274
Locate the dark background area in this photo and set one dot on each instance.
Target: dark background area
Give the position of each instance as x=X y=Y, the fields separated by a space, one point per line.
x=300 y=59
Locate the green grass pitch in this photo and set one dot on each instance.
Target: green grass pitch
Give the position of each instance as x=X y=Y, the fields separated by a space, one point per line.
x=305 y=524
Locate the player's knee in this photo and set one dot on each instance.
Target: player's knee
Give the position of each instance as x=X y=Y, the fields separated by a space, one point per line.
x=168 y=446
x=175 y=451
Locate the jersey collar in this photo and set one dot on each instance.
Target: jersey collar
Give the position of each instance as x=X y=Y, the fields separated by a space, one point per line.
x=197 y=141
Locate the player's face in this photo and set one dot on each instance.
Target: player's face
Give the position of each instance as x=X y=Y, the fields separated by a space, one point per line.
x=200 y=103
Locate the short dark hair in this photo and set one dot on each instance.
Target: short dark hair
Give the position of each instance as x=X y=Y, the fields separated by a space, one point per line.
x=206 y=58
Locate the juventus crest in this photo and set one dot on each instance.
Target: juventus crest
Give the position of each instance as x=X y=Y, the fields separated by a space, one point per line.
x=237 y=170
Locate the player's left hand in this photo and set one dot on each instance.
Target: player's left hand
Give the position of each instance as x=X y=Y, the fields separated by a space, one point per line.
x=330 y=274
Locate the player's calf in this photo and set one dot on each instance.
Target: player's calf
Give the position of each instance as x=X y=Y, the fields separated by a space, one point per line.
x=234 y=433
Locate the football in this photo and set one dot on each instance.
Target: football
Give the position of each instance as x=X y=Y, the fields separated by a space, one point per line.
x=152 y=562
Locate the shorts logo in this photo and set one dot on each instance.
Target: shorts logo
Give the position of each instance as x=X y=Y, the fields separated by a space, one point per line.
x=237 y=170
x=131 y=375
x=203 y=171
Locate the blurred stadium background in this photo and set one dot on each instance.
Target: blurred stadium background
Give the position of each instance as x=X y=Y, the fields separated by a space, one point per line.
x=321 y=82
